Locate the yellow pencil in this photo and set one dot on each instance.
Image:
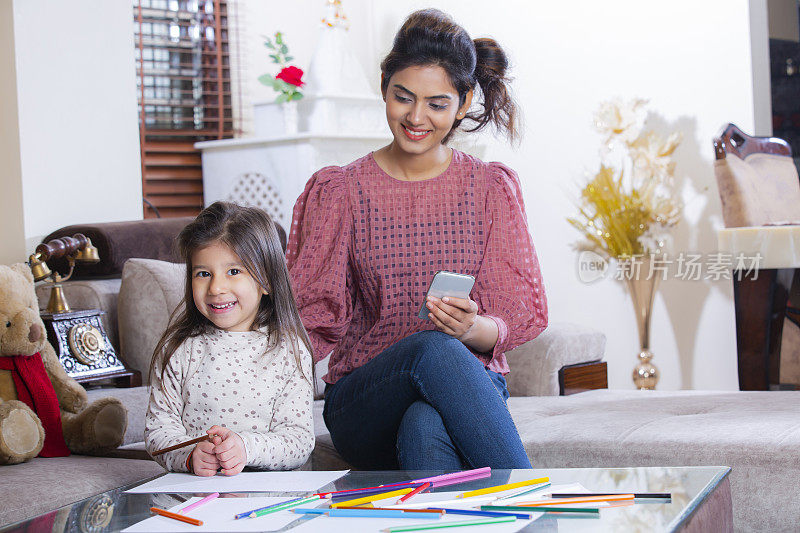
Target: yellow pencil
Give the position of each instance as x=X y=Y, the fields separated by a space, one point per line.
x=500 y=488
x=372 y=498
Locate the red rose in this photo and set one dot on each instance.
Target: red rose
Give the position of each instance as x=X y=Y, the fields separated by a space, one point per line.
x=291 y=75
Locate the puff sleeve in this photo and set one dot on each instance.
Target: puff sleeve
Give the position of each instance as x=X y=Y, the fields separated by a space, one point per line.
x=508 y=286
x=317 y=255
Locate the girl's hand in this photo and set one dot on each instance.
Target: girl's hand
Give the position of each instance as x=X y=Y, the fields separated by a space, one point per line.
x=454 y=316
x=229 y=450
x=204 y=461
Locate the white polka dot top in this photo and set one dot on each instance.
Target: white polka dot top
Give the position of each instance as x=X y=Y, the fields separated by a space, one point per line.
x=236 y=380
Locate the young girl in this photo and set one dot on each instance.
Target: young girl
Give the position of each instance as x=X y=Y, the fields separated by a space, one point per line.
x=235 y=362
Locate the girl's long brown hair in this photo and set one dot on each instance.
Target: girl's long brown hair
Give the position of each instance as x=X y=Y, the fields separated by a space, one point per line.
x=252 y=236
x=431 y=37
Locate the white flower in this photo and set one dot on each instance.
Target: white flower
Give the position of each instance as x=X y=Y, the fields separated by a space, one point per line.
x=651 y=155
x=620 y=120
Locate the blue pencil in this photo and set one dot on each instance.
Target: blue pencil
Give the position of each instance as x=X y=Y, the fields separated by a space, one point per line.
x=475 y=512
x=306 y=510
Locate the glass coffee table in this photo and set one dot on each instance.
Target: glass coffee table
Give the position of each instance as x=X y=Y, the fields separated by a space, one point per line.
x=700 y=498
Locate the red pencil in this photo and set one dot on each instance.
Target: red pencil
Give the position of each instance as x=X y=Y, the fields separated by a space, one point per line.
x=414 y=492
x=175 y=516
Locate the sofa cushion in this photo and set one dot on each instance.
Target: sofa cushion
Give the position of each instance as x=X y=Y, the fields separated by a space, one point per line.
x=150 y=291
x=535 y=364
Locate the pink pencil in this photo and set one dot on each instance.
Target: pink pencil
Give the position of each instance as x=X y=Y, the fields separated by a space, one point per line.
x=465 y=473
x=197 y=504
x=465 y=479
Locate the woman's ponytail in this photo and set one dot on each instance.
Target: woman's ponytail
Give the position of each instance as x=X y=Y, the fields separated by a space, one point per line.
x=498 y=106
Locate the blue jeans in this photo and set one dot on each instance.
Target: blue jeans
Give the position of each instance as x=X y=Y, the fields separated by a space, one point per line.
x=424 y=403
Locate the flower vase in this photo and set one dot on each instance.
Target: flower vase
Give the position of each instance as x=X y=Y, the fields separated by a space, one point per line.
x=290 y=117
x=642 y=286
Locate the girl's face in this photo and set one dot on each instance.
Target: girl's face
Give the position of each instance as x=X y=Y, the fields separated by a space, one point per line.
x=223 y=290
x=421 y=106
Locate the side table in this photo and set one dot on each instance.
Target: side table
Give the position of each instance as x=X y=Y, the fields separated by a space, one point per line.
x=760 y=298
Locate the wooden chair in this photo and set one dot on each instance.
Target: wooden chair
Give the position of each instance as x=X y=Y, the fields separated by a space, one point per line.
x=759 y=186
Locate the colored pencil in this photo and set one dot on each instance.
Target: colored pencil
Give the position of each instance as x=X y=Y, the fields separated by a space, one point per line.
x=436 y=511
x=642 y=495
x=414 y=492
x=523 y=492
x=457 y=480
x=444 y=503
x=255 y=513
x=362 y=512
x=452 y=475
x=181 y=445
x=381 y=513
x=372 y=498
x=517 y=508
x=480 y=522
x=501 y=488
x=582 y=499
x=279 y=504
x=197 y=504
x=176 y=516
x=367 y=492
x=474 y=512
x=401 y=484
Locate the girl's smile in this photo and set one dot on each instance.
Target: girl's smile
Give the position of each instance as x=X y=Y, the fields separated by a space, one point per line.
x=223 y=290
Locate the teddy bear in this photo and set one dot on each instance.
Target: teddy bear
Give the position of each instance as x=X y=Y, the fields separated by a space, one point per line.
x=43 y=411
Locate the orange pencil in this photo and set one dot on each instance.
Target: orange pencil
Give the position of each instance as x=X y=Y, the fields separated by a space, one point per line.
x=583 y=499
x=181 y=445
x=176 y=516
x=414 y=492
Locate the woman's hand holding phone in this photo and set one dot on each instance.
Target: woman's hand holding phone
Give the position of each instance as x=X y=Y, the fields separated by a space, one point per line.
x=454 y=316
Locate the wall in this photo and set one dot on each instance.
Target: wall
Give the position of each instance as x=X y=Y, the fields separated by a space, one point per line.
x=76 y=115
x=12 y=242
x=698 y=63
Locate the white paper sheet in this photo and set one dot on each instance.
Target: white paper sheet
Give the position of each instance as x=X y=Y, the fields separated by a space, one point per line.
x=218 y=515
x=296 y=481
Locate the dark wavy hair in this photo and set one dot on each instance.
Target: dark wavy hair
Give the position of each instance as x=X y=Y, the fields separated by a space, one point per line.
x=431 y=37
x=253 y=237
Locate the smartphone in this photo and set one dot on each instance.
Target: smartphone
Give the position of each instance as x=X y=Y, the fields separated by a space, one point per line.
x=446 y=283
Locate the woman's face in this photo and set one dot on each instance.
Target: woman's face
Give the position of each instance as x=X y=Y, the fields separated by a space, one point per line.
x=421 y=106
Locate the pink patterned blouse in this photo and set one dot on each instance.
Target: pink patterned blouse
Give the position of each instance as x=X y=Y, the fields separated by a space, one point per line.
x=364 y=247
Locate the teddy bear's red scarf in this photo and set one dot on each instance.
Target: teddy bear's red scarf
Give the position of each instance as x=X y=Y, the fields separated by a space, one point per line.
x=36 y=391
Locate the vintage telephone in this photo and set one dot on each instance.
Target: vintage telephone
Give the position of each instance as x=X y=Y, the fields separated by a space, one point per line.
x=78 y=337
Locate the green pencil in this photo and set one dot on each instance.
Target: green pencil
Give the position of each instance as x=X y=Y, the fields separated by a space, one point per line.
x=288 y=505
x=525 y=491
x=481 y=522
x=539 y=509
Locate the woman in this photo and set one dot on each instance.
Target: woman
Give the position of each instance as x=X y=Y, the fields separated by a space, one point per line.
x=366 y=240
